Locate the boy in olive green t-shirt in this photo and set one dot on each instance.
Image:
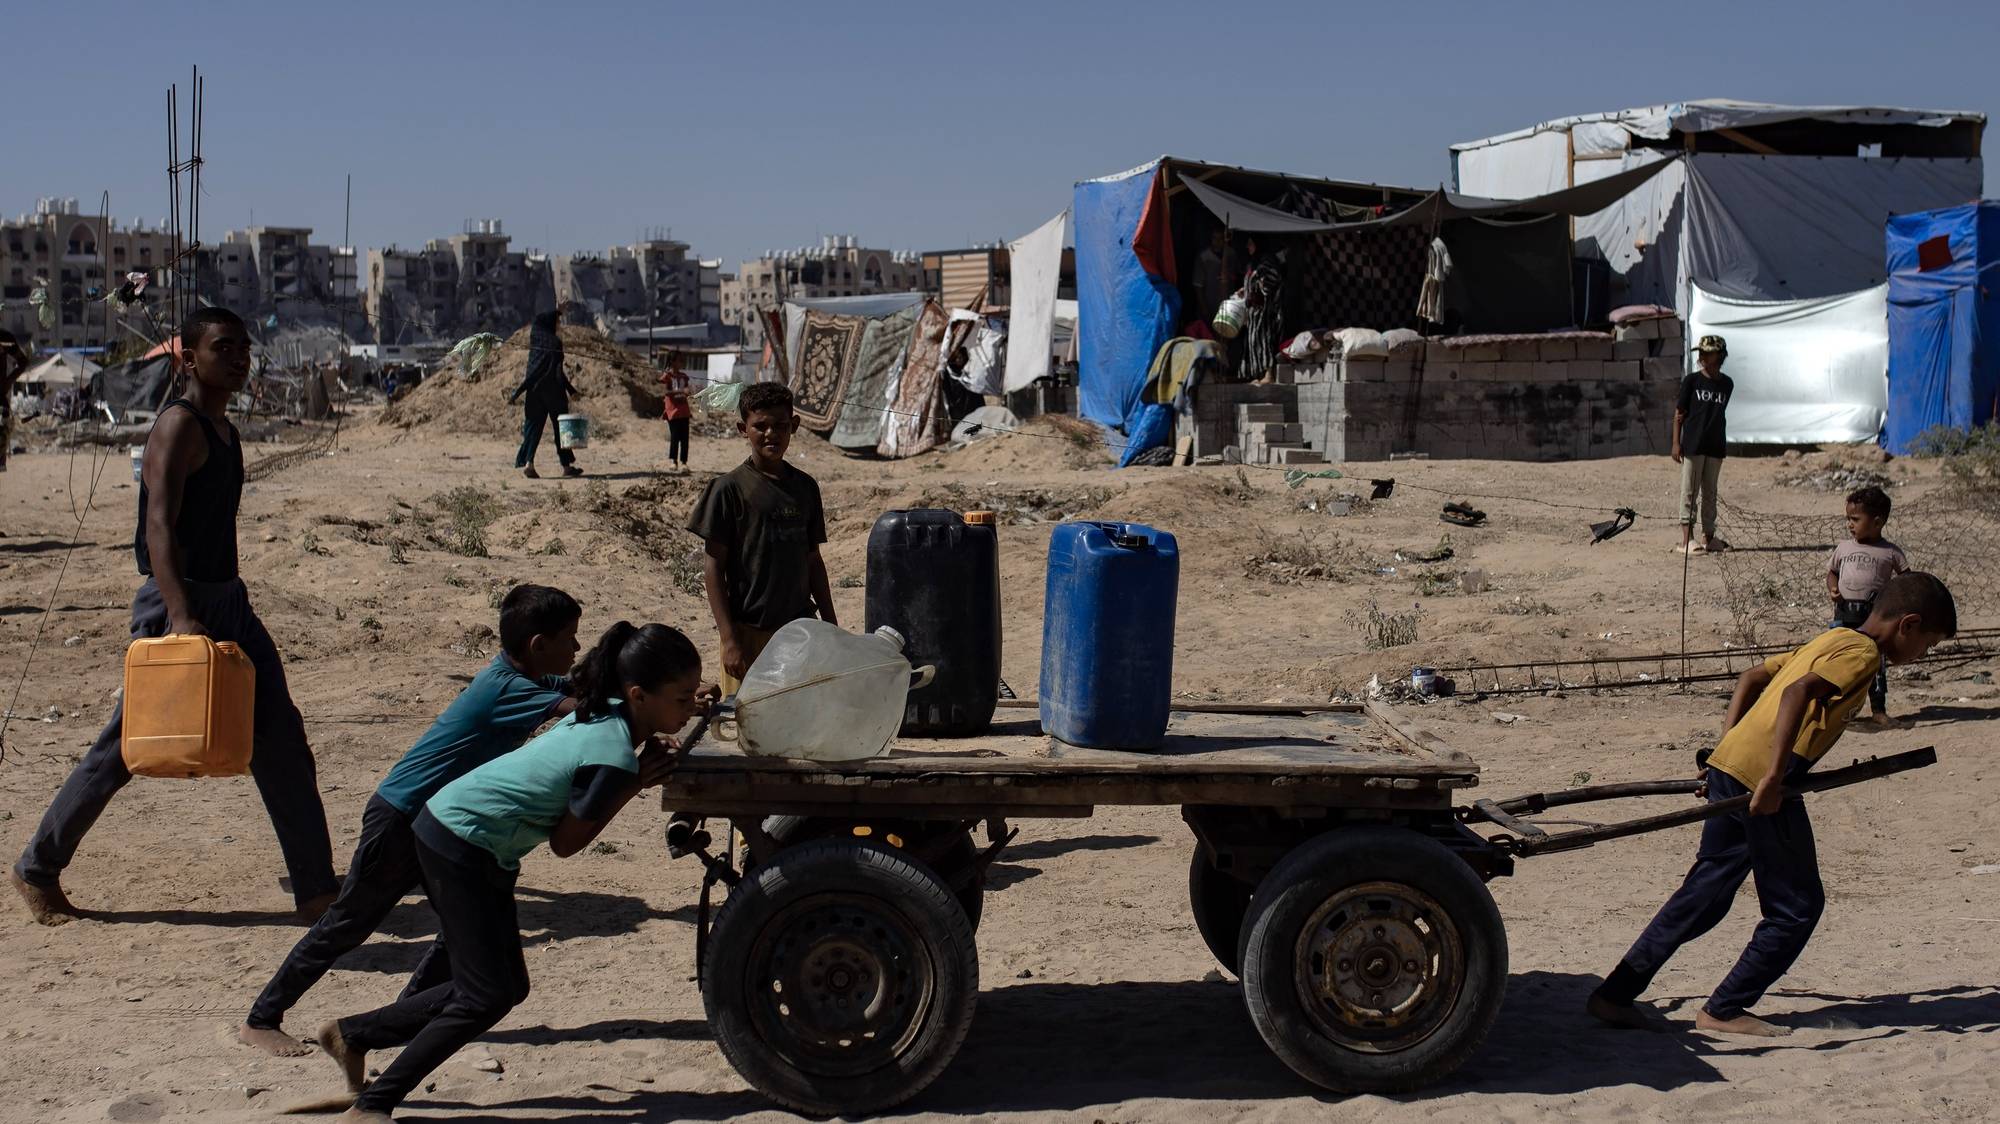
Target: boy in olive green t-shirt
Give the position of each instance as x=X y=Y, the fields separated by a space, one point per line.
x=1784 y=717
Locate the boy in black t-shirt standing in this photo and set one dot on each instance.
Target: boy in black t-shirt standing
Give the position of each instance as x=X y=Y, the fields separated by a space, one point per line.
x=1701 y=440
x=762 y=523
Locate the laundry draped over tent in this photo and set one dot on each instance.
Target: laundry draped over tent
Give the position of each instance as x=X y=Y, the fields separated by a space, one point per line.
x=1806 y=371
x=865 y=371
x=1036 y=263
x=1944 y=321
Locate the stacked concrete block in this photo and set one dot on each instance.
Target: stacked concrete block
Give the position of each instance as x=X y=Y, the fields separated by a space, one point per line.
x=1598 y=349
x=1662 y=369
x=1667 y=328
x=1364 y=368
x=1213 y=422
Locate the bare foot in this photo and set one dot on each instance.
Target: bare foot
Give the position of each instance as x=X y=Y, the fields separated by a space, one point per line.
x=272 y=1041
x=312 y=909
x=1624 y=1016
x=1746 y=1024
x=353 y=1063
x=47 y=904
x=1884 y=722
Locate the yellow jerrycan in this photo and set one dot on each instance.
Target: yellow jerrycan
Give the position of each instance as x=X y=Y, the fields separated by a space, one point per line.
x=189 y=705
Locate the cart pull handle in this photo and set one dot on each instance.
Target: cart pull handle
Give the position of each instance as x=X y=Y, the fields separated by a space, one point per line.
x=1534 y=841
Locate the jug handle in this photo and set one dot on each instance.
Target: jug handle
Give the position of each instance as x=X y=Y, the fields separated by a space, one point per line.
x=921 y=677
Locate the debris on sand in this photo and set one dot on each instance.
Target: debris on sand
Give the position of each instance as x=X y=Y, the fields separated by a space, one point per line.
x=1307 y=556
x=1017 y=506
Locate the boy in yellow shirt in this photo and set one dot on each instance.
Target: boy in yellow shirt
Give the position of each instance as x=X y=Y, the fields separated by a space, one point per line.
x=1784 y=717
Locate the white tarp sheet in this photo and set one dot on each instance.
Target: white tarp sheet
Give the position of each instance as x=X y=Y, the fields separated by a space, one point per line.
x=1703 y=115
x=1037 y=272
x=1806 y=371
x=1520 y=168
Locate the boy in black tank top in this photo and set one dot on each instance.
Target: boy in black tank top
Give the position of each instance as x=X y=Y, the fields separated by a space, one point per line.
x=191 y=484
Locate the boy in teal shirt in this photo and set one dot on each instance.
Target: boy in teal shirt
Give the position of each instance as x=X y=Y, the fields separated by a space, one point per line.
x=634 y=688
x=499 y=710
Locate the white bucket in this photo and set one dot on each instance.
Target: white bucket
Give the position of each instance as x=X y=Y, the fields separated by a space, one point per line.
x=573 y=431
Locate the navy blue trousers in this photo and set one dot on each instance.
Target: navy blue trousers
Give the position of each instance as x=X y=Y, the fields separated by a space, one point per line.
x=1778 y=849
x=1854 y=614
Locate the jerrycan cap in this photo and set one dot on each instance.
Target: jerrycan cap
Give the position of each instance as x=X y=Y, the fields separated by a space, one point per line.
x=891 y=635
x=979 y=519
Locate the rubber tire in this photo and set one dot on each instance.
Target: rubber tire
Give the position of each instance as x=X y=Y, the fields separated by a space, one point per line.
x=1298 y=885
x=844 y=866
x=789 y=831
x=1220 y=903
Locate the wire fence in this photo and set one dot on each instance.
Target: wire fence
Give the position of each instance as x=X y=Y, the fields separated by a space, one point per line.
x=1774 y=574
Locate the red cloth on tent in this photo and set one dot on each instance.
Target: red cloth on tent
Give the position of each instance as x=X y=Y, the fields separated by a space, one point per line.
x=1153 y=241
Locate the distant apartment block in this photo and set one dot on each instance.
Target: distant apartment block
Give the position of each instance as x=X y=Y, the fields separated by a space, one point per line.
x=74 y=253
x=650 y=285
x=470 y=282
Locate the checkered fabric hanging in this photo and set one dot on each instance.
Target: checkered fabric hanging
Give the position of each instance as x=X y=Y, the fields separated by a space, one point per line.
x=1358 y=278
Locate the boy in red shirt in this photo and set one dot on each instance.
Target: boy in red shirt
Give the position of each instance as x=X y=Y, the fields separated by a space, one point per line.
x=678 y=414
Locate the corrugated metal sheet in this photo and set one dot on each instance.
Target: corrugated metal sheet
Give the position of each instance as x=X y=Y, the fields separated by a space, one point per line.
x=961 y=277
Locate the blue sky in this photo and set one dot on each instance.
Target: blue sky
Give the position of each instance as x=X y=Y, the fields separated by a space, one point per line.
x=915 y=126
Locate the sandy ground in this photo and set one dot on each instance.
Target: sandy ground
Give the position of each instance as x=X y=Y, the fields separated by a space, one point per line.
x=1099 y=1000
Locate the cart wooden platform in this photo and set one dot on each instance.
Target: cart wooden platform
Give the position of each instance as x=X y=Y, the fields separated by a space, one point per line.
x=1332 y=870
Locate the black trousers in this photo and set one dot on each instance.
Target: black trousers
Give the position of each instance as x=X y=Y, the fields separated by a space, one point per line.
x=1779 y=849
x=677 y=440
x=383 y=871
x=539 y=415
x=1854 y=614
x=475 y=906
x=280 y=761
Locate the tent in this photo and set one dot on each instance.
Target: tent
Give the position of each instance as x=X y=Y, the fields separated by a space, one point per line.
x=1358 y=260
x=1511 y=267
x=62 y=370
x=1135 y=229
x=141 y=384
x=1944 y=321
x=1759 y=202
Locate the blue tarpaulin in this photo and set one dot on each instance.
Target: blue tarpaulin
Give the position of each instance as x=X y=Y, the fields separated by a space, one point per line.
x=1944 y=321
x=1124 y=313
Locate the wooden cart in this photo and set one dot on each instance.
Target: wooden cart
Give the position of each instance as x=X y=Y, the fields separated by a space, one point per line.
x=1331 y=870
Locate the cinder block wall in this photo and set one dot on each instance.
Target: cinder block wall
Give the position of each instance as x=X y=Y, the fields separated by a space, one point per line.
x=1526 y=398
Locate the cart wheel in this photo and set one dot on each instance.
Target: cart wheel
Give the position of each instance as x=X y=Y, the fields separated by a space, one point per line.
x=1374 y=960
x=951 y=857
x=1219 y=903
x=840 y=978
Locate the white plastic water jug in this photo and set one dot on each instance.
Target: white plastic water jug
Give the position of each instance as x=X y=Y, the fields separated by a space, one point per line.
x=822 y=693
